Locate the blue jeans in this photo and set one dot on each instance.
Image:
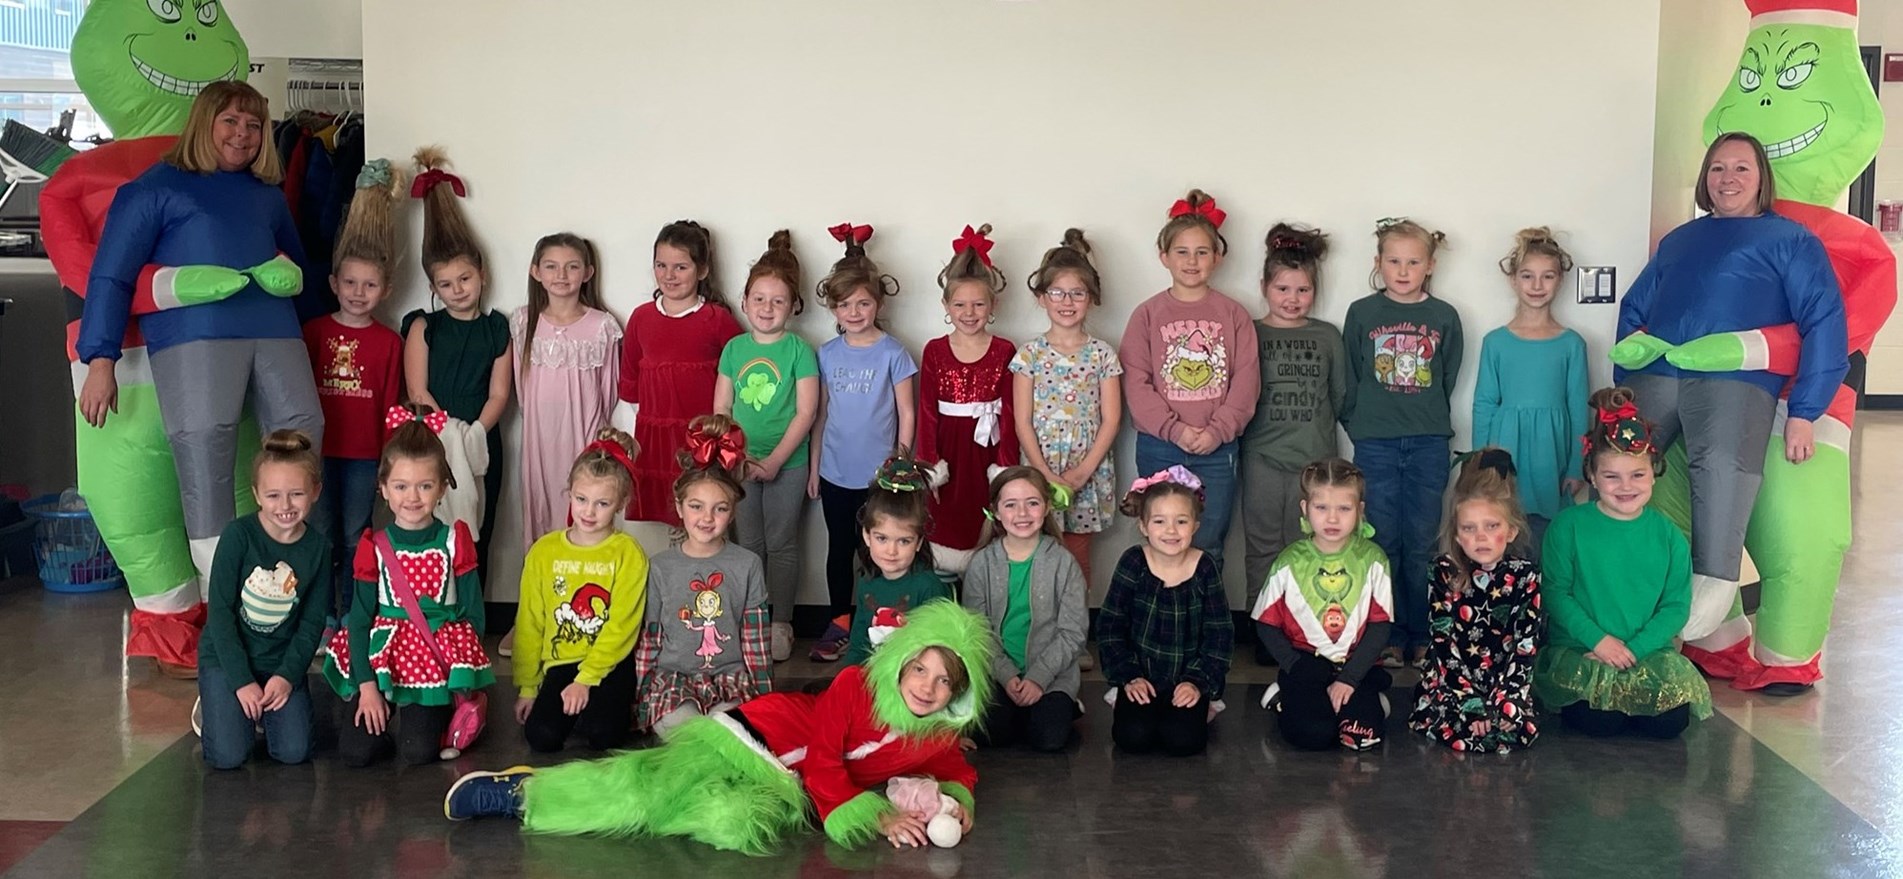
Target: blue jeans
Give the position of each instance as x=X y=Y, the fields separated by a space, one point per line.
x=1217 y=470
x=229 y=736
x=342 y=513
x=1407 y=477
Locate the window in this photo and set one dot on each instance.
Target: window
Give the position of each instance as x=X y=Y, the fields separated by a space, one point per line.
x=36 y=74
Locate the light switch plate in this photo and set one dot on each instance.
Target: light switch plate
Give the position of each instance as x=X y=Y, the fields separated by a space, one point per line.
x=1597 y=285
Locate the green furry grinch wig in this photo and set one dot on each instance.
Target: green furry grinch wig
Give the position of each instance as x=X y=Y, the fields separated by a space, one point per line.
x=944 y=624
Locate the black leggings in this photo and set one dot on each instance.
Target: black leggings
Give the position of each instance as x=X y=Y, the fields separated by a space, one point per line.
x=604 y=722
x=840 y=505
x=418 y=735
x=1601 y=724
x=1160 y=726
x=1309 y=719
x=1044 y=725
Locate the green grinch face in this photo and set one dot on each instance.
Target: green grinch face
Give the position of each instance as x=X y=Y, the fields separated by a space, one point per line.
x=1801 y=89
x=141 y=62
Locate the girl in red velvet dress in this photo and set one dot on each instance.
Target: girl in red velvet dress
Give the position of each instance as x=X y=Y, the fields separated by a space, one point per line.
x=669 y=359
x=965 y=425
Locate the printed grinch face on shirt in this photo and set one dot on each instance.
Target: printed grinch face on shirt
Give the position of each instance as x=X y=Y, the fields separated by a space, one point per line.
x=581 y=617
x=1195 y=361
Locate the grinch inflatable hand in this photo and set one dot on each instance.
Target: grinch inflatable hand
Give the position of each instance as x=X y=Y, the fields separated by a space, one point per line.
x=140 y=63
x=1801 y=89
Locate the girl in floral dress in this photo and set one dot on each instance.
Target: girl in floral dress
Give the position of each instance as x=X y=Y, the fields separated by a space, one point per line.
x=1062 y=378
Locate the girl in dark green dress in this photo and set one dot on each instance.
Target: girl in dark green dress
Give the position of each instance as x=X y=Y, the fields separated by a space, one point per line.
x=456 y=358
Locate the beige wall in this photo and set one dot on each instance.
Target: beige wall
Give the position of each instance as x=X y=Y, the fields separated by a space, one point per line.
x=300 y=28
x=612 y=118
x=1699 y=43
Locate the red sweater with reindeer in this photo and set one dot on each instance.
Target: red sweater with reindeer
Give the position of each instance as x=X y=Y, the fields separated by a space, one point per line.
x=841 y=750
x=359 y=373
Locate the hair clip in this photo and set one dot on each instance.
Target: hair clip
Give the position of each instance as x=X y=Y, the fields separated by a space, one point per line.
x=397 y=416
x=1207 y=210
x=1386 y=223
x=899 y=473
x=1177 y=474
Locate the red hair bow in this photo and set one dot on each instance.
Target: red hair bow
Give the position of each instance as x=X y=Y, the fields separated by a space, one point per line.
x=730 y=448
x=1614 y=416
x=843 y=231
x=427 y=181
x=613 y=450
x=972 y=239
x=708 y=585
x=398 y=416
x=1207 y=209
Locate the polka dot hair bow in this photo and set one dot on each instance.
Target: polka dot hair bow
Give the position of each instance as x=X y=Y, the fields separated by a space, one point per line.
x=397 y=416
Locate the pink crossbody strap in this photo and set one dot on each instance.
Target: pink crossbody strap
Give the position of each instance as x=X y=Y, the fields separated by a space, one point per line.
x=400 y=585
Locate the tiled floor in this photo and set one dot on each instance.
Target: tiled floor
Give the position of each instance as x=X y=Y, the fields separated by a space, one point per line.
x=1809 y=786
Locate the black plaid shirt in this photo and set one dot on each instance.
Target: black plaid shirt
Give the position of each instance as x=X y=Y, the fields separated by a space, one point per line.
x=1165 y=636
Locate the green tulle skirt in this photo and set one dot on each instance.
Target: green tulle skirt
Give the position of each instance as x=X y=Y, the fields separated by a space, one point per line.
x=1661 y=681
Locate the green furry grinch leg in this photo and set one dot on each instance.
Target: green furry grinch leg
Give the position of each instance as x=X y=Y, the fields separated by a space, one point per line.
x=704 y=784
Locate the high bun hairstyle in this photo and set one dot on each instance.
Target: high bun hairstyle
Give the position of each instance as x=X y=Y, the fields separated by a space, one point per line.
x=898 y=492
x=1071 y=256
x=1197 y=210
x=1618 y=428
x=446 y=233
x=590 y=293
x=971 y=261
x=289 y=447
x=1388 y=229
x=1295 y=247
x=1486 y=475
x=779 y=261
x=694 y=238
x=855 y=271
x=1535 y=241
x=702 y=460
x=369 y=232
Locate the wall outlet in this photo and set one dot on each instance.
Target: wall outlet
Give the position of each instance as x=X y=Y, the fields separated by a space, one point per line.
x=1596 y=285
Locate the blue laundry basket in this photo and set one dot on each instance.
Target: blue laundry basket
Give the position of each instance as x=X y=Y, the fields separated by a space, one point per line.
x=71 y=554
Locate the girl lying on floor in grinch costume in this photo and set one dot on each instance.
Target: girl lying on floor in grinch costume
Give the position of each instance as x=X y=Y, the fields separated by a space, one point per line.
x=740 y=779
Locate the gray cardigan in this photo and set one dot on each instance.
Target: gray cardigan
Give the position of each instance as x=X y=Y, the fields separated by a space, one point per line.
x=1058 y=618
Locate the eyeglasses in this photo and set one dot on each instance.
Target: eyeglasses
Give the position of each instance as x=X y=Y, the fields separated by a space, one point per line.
x=1059 y=294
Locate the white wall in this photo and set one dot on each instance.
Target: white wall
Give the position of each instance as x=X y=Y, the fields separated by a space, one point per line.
x=612 y=118
x=299 y=28
x=1699 y=45
x=1881 y=24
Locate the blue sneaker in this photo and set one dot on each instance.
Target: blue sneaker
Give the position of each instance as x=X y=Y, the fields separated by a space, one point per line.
x=487 y=794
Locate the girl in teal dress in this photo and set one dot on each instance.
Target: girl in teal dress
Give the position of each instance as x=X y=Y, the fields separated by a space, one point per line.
x=1530 y=398
x=1617 y=589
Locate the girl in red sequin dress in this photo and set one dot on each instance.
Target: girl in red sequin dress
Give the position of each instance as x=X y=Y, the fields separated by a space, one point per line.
x=965 y=422
x=379 y=657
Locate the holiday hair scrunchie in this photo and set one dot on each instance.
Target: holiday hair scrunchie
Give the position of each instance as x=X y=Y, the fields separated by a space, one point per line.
x=613 y=450
x=427 y=181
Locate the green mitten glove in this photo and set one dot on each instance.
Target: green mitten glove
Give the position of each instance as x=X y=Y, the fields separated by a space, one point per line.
x=1718 y=352
x=279 y=277
x=1638 y=350
x=197 y=285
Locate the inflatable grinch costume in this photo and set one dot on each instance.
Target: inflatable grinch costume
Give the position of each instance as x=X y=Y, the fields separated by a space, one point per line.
x=140 y=65
x=1802 y=90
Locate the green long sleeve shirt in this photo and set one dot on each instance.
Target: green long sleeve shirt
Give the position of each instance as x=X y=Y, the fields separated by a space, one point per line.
x=265 y=613
x=1604 y=576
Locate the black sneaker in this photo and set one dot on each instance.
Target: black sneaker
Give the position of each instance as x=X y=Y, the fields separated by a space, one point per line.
x=832 y=645
x=487 y=795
